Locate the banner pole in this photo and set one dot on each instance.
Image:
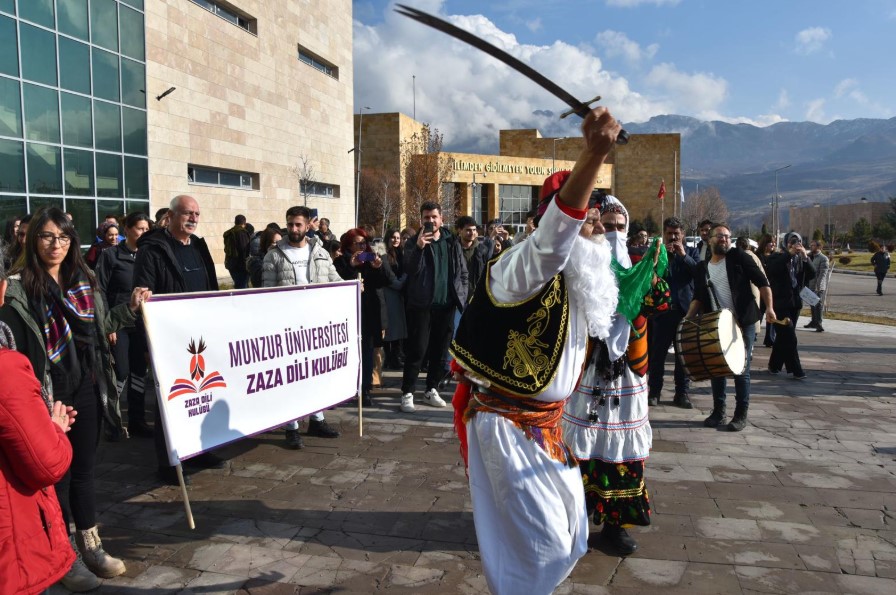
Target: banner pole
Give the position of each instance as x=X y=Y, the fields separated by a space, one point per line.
x=183 y=491
x=360 y=394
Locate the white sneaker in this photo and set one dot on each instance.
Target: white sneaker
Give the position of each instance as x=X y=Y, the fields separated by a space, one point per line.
x=431 y=397
x=407 y=403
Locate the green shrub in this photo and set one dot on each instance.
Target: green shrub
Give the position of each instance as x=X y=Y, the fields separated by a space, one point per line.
x=845 y=259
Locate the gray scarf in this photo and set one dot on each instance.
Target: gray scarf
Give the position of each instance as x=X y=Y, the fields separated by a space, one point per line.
x=7 y=341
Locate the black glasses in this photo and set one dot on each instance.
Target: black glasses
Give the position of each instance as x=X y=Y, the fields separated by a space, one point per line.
x=48 y=238
x=723 y=236
x=359 y=243
x=614 y=226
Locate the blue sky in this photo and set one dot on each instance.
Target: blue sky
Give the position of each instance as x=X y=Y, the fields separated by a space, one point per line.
x=757 y=62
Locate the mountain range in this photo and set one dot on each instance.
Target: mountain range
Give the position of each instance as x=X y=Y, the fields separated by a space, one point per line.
x=838 y=162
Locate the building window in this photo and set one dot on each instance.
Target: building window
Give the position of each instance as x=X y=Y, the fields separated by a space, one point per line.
x=514 y=202
x=229 y=14
x=73 y=109
x=222 y=177
x=318 y=189
x=318 y=63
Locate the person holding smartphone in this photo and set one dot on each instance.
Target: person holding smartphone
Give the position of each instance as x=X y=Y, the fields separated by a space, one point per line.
x=437 y=285
x=359 y=259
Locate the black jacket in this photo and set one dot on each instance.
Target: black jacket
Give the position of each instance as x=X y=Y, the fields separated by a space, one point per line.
x=371 y=299
x=157 y=267
x=239 y=239
x=680 y=276
x=115 y=274
x=785 y=297
x=742 y=270
x=418 y=264
x=482 y=253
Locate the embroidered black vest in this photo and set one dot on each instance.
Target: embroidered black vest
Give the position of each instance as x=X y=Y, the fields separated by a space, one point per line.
x=517 y=346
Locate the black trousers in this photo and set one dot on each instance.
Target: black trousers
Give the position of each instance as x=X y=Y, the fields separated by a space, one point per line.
x=660 y=336
x=784 y=351
x=76 y=491
x=136 y=385
x=429 y=332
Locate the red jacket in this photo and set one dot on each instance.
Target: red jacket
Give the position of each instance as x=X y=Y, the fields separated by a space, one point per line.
x=34 y=454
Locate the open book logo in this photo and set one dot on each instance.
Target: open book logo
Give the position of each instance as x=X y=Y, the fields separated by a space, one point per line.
x=198 y=381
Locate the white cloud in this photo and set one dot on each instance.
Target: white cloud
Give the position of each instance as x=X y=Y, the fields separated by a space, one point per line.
x=616 y=43
x=700 y=92
x=634 y=3
x=815 y=111
x=783 y=100
x=811 y=40
x=844 y=86
x=534 y=25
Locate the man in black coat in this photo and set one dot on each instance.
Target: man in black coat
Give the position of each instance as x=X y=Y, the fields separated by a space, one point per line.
x=680 y=277
x=730 y=274
x=174 y=260
x=788 y=272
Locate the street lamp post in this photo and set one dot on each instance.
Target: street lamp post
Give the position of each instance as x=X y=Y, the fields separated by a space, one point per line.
x=358 y=150
x=777 y=198
x=477 y=198
x=554 y=153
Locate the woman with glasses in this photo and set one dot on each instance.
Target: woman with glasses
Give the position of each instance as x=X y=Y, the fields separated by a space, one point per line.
x=396 y=325
x=358 y=259
x=60 y=322
x=115 y=275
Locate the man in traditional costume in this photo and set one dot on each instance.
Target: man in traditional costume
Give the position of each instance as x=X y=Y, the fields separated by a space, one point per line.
x=519 y=351
x=605 y=421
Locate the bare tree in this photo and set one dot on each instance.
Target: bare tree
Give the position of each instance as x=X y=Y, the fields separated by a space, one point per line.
x=305 y=173
x=381 y=201
x=705 y=204
x=424 y=169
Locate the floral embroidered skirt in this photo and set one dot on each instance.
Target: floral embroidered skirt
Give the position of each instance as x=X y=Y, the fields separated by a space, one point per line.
x=615 y=492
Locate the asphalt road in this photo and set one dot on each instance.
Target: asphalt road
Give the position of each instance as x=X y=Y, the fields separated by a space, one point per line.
x=855 y=294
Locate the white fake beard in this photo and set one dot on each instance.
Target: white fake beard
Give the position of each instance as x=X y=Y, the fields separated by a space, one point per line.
x=591 y=280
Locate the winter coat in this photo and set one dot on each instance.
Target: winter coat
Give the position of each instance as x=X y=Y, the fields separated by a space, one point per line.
x=277 y=270
x=418 y=264
x=115 y=274
x=238 y=238
x=396 y=323
x=157 y=267
x=371 y=306
x=30 y=341
x=34 y=454
x=785 y=297
x=822 y=267
x=881 y=262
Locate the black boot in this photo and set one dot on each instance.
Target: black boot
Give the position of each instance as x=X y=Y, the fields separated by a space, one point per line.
x=293 y=440
x=682 y=401
x=618 y=539
x=739 y=421
x=716 y=417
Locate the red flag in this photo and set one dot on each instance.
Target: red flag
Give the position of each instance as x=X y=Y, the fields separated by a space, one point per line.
x=662 y=193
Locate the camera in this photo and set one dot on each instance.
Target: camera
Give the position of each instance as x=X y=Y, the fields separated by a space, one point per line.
x=366 y=256
x=428 y=227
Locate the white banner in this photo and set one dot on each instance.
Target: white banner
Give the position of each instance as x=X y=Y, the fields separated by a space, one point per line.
x=235 y=363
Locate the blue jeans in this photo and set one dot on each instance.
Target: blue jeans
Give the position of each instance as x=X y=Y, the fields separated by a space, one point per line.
x=742 y=382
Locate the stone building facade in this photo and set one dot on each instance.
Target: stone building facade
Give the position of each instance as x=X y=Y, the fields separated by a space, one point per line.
x=507 y=185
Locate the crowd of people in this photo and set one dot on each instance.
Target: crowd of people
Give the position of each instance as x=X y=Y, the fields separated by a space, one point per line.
x=557 y=336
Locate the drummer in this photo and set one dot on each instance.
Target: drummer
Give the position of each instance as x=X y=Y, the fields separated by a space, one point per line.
x=724 y=282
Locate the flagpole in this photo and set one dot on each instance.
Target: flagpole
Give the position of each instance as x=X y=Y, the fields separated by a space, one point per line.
x=675 y=179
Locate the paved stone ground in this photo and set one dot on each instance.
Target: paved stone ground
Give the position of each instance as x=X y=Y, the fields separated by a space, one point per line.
x=801 y=501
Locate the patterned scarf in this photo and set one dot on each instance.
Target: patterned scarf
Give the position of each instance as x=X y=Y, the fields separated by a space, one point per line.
x=62 y=311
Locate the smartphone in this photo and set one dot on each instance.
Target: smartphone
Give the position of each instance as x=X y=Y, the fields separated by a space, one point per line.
x=366 y=257
x=313 y=214
x=428 y=227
